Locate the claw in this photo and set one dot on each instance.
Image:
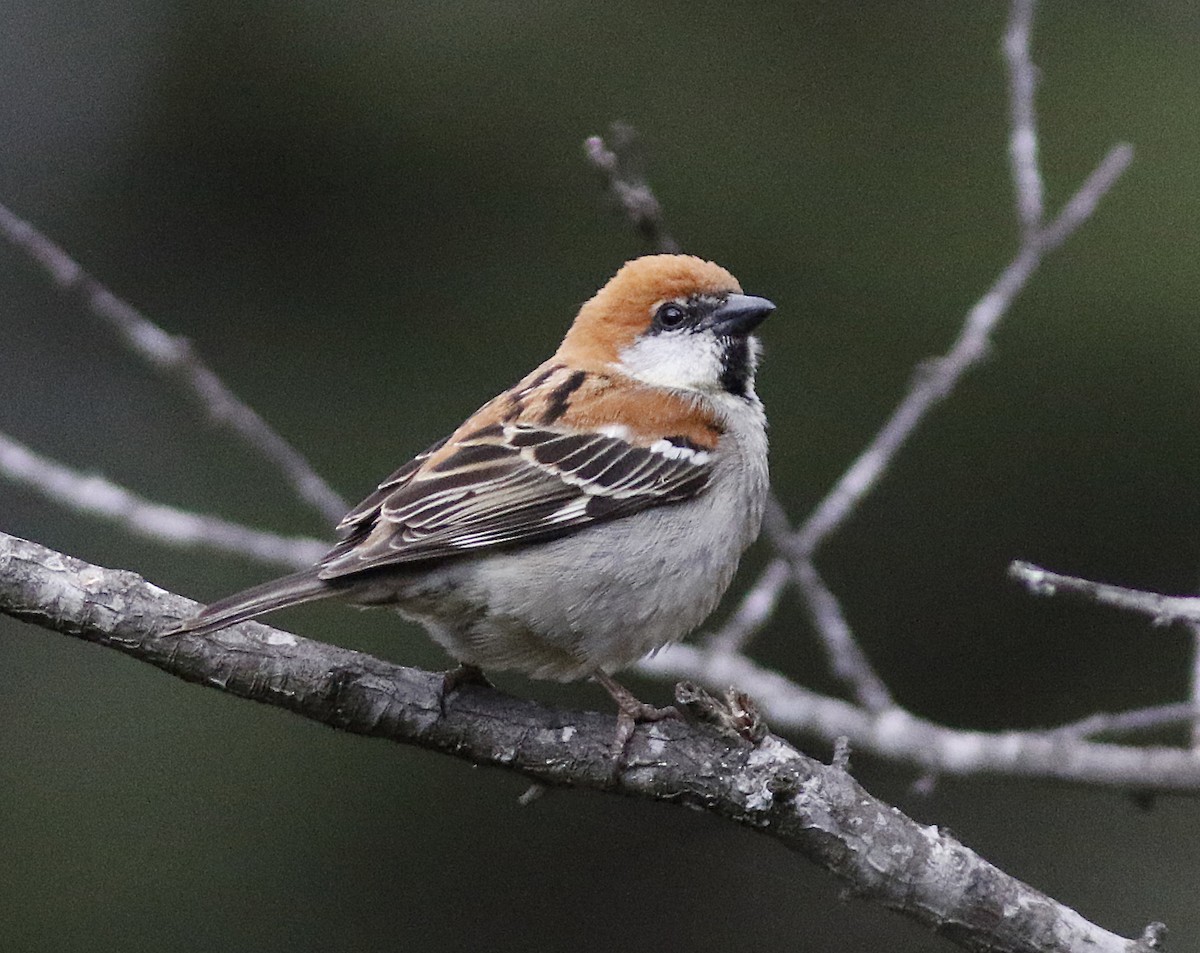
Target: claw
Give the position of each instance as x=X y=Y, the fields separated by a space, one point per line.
x=463 y=674
x=630 y=714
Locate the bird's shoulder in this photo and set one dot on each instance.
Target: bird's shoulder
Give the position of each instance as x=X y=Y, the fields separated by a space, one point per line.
x=566 y=397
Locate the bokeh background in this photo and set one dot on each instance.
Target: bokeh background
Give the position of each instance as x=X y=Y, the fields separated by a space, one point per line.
x=371 y=217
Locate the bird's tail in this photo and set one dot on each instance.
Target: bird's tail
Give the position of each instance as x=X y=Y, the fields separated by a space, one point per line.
x=291 y=590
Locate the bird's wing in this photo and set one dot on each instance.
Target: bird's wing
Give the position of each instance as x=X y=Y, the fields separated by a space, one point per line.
x=366 y=511
x=508 y=484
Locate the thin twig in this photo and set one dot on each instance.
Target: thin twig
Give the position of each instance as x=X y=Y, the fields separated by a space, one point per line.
x=755 y=610
x=1129 y=722
x=1162 y=609
x=1023 y=140
x=900 y=737
x=936 y=378
x=615 y=161
x=846 y=657
x=96 y=496
x=173 y=357
x=1194 y=687
x=1082 y=205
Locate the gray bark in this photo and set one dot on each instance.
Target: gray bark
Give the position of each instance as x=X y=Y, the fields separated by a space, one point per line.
x=817 y=810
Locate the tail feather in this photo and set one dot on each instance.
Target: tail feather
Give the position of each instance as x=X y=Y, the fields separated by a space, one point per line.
x=291 y=590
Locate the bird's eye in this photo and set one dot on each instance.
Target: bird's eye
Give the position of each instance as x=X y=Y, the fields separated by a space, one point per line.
x=671 y=316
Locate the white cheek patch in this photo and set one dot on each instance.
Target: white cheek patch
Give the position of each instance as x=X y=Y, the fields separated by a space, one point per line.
x=684 y=360
x=672 y=451
x=755 y=350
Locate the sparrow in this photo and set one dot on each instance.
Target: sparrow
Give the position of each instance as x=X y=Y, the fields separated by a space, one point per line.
x=584 y=518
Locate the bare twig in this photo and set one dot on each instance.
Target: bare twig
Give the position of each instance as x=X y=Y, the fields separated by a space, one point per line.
x=1023 y=139
x=627 y=185
x=903 y=738
x=1162 y=609
x=846 y=657
x=97 y=496
x=1194 y=686
x=936 y=379
x=817 y=810
x=755 y=610
x=1082 y=205
x=174 y=357
x=758 y=605
x=1130 y=722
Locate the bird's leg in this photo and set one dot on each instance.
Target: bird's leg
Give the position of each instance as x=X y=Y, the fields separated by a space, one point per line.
x=630 y=713
x=463 y=674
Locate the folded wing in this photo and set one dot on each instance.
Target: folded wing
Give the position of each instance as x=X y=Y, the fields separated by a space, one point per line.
x=510 y=484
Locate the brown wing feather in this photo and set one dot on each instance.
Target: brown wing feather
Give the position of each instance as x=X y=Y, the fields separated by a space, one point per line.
x=512 y=484
x=368 y=508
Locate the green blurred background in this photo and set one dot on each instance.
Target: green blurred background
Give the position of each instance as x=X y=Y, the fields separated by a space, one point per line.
x=371 y=217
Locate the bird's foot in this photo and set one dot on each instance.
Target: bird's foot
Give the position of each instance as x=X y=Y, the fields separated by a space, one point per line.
x=456 y=678
x=630 y=713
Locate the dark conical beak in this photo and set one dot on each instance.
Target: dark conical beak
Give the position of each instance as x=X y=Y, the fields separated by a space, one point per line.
x=740 y=314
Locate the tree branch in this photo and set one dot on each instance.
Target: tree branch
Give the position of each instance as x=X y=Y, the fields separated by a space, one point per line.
x=817 y=810
x=628 y=185
x=847 y=660
x=884 y=730
x=173 y=357
x=1194 y=686
x=1130 y=722
x=901 y=737
x=1023 y=140
x=1162 y=609
x=934 y=381
x=96 y=496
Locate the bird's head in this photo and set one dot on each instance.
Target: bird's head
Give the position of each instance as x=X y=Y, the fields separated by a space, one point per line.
x=671 y=321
